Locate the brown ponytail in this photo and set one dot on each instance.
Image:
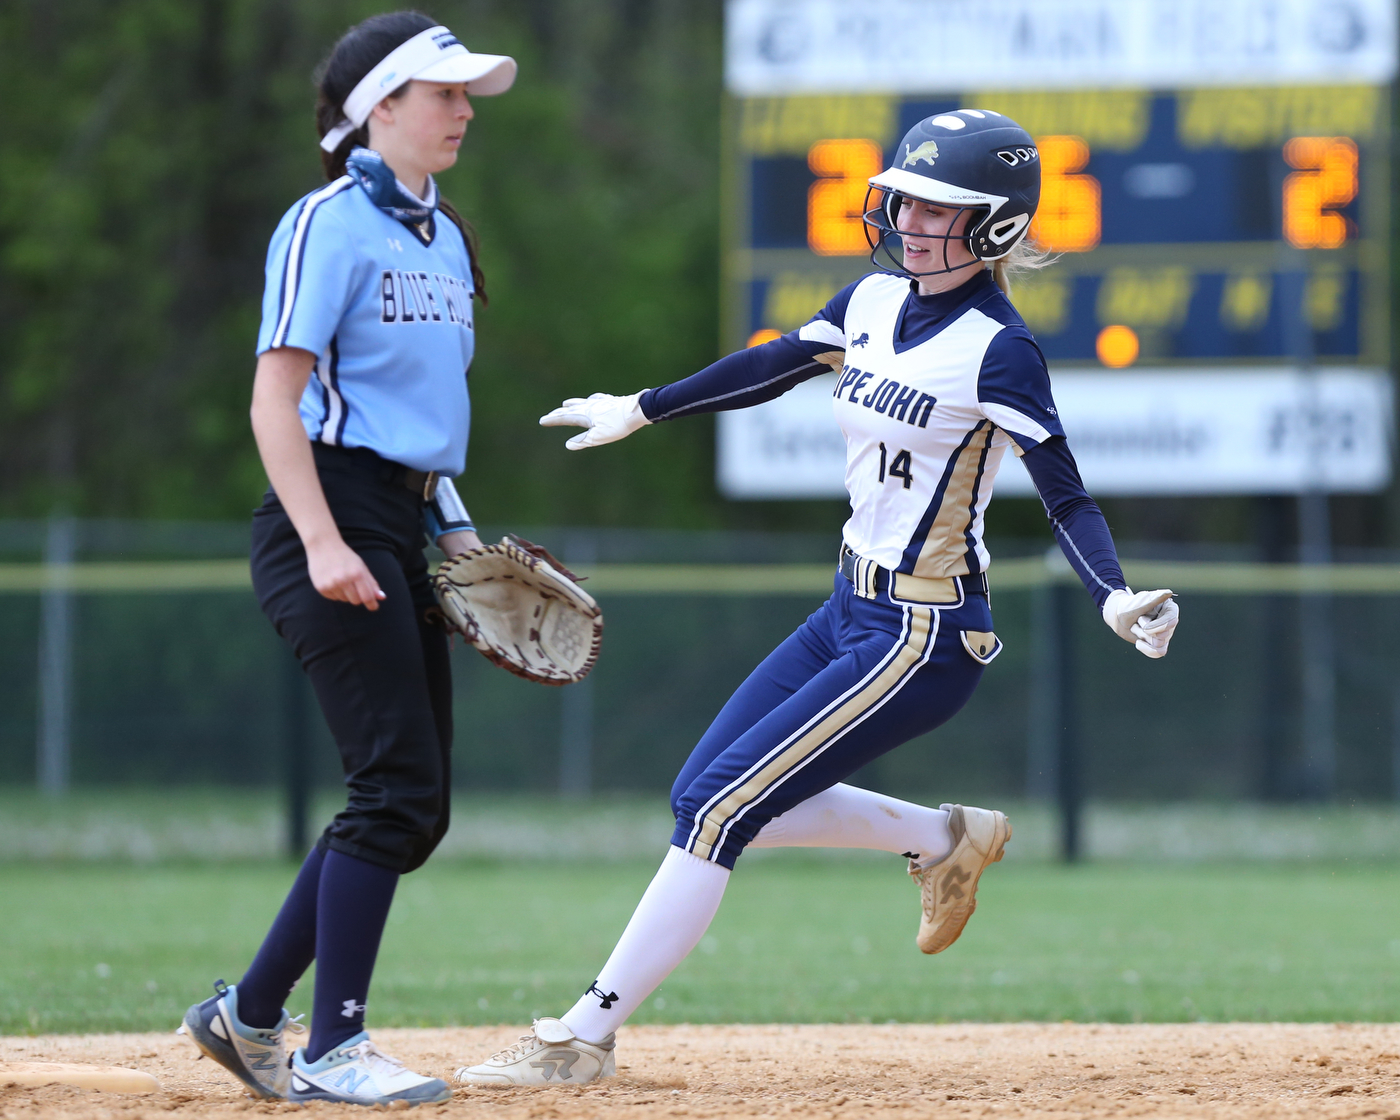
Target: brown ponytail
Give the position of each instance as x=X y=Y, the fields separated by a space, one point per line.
x=450 y=212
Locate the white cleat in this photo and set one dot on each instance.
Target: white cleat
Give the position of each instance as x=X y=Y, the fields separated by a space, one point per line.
x=358 y=1072
x=949 y=887
x=550 y=1054
x=257 y=1057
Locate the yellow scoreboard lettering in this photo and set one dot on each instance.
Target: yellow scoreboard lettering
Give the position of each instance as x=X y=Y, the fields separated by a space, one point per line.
x=836 y=201
x=1190 y=226
x=1043 y=302
x=1070 y=217
x=1243 y=119
x=771 y=126
x=1146 y=297
x=1324 y=182
x=793 y=298
x=1244 y=299
x=1110 y=120
x=1323 y=297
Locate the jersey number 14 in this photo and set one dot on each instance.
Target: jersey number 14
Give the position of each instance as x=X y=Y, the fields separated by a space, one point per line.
x=900 y=468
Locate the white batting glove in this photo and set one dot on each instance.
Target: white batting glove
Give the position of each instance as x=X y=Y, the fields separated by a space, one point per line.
x=1147 y=619
x=606 y=417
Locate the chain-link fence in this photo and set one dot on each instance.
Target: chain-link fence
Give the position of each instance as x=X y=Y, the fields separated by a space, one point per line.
x=136 y=656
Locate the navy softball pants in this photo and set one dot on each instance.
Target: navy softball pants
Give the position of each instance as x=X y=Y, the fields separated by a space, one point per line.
x=382 y=677
x=858 y=678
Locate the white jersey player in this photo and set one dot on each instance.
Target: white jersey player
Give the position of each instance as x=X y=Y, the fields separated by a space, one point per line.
x=938 y=378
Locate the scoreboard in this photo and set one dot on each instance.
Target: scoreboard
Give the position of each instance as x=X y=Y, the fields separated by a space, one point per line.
x=1216 y=178
x=1193 y=225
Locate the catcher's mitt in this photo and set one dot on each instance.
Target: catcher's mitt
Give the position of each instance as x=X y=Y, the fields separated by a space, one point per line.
x=522 y=609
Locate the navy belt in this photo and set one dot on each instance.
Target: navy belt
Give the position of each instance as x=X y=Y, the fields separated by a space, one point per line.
x=869 y=580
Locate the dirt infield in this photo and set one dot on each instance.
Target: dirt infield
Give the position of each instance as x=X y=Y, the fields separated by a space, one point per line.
x=1028 y=1069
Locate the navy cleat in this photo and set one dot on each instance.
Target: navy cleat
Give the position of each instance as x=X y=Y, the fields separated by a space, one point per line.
x=257 y=1057
x=358 y=1072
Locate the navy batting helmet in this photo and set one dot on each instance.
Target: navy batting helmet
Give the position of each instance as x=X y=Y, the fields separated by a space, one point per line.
x=971 y=159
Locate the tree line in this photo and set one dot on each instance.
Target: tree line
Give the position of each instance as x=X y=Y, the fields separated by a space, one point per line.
x=151 y=149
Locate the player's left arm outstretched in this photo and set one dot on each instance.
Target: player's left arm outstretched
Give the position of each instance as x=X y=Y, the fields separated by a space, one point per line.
x=1015 y=393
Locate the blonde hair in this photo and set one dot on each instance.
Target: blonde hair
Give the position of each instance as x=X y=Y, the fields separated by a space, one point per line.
x=1025 y=256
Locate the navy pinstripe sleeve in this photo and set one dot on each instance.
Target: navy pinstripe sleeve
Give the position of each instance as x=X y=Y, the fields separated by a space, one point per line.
x=1080 y=528
x=758 y=374
x=1013 y=387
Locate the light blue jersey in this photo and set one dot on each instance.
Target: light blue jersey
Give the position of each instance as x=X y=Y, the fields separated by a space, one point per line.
x=389 y=319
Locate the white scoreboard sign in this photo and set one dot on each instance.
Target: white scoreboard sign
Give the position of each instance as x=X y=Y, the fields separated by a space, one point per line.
x=1141 y=433
x=881 y=46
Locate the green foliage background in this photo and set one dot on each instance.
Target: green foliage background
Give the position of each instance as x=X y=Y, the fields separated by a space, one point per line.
x=151 y=146
x=154 y=147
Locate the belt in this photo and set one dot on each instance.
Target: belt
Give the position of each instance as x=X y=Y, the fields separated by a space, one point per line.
x=869 y=579
x=422 y=483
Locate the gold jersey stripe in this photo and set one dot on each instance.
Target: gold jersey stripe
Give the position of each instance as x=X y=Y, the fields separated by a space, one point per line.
x=944 y=551
x=715 y=818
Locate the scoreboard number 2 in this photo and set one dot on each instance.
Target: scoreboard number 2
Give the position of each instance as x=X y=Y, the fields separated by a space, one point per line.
x=1324 y=181
x=836 y=201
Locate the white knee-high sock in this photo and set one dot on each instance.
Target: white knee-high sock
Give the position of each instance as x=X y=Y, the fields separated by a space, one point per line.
x=848 y=817
x=668 y=923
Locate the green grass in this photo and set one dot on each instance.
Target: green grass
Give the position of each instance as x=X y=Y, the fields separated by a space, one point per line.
x=87 y=947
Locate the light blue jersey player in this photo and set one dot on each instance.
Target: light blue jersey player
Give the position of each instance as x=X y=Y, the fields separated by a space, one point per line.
x=386 y=309
x=360 y=410
x=939 y=379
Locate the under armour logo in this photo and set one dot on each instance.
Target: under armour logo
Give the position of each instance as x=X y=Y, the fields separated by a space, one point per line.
x=558 y=1061
x=608 y=998
x=862 y=340
x=952 y=884
x=352 y=1008
x=911 y=855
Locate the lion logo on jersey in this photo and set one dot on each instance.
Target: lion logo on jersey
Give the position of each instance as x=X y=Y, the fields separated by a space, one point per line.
x=862 y=340
x=927 y=151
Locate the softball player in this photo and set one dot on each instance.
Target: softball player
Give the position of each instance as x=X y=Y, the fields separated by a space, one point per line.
x=361 y=412
x=938 y=377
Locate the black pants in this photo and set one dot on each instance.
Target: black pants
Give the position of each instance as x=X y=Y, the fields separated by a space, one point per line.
x=382 y=677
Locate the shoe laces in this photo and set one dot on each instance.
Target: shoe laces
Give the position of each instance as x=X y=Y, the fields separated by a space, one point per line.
x=517 y=1049
x=375 y=1058
x=295 y=1026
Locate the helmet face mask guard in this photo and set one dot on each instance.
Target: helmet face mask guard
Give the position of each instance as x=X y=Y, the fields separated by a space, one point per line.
x=886 y=239
x=977 y=163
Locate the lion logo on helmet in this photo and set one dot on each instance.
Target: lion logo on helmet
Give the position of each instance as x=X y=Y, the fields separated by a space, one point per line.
x=927 y=151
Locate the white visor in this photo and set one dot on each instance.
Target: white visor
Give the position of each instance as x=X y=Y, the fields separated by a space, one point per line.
x=433 y=55
x=934 y=190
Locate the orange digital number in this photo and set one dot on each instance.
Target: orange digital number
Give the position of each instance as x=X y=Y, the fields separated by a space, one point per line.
x=836 y=201
x=1070 y=217
x=1324 y=182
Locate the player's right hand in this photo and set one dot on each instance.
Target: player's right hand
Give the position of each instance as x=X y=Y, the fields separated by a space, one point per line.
x=1147 y=619
x=338 y=573
x=606 y=417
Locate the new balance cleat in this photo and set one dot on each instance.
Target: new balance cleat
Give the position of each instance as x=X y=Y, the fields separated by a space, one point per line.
x=949 y=887
x=358 y=1072
x=551 y=1054
x=257 y=1057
